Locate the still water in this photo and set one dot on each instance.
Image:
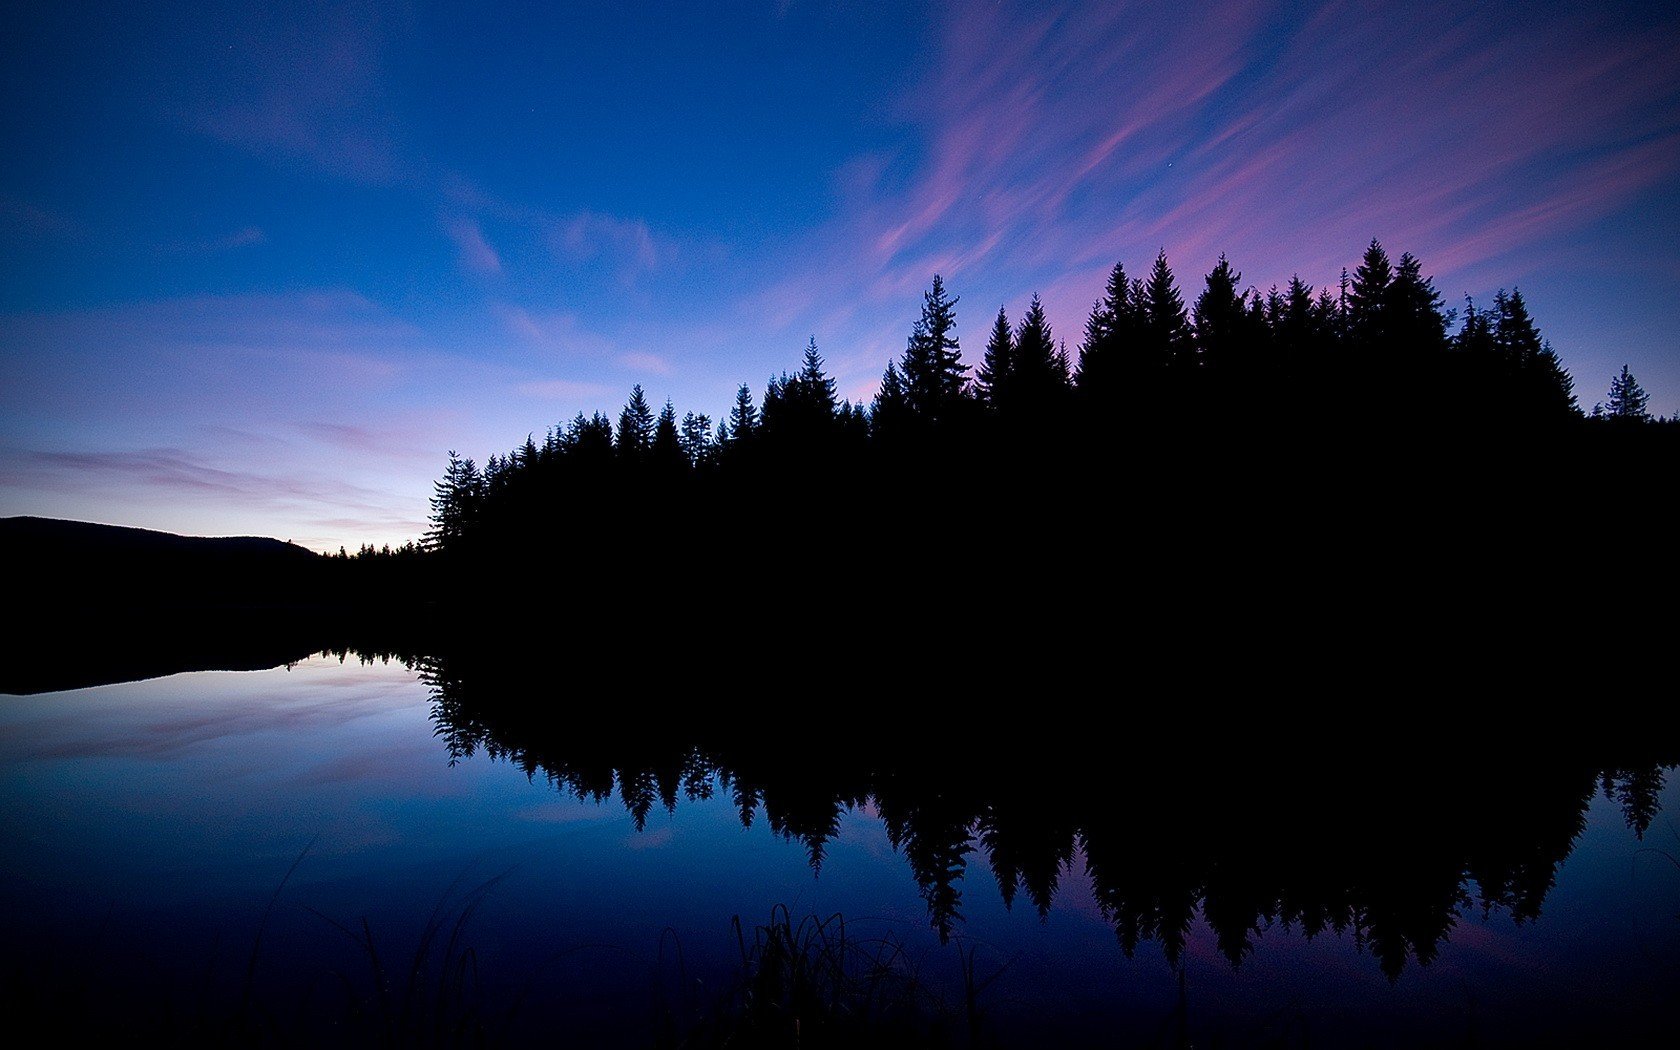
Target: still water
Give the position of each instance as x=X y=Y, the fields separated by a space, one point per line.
x=340 y=850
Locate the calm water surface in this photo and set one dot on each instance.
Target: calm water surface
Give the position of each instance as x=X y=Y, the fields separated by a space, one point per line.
x=148 y=826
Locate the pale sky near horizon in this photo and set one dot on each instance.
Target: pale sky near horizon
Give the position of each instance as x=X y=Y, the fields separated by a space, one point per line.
x=265 y=264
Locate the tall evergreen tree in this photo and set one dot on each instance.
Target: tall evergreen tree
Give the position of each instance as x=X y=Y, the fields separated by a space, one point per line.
x=998 y=363
x=1039 y=376
x=1413 y=315
x=934 y=376
x=816 y=389
x=455 y=501
x=666 y=450
x=890 y=412
x=1221 y=323
x=1165 y=326
x=1516 y=338
x=696 y=438
x=743 y=416
x=1628 y=400
x=1476 y=336
x=1367 y=299
x=635 y=427
x=1110 y=333
x=1535 y=379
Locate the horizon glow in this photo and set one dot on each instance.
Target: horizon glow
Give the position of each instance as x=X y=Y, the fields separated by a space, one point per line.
x=263 y=267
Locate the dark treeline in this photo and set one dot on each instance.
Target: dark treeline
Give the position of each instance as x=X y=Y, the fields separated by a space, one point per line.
x=1300 y=404
x=1387 y=846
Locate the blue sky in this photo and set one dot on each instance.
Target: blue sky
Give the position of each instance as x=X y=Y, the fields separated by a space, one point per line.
x=264 y=265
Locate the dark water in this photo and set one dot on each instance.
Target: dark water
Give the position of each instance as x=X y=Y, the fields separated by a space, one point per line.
x=1042 y=880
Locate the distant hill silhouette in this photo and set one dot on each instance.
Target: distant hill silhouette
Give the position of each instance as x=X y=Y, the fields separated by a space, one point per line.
x=105 y=603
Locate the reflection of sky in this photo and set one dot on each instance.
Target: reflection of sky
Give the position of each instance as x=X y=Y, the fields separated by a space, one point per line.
x=263 y=265
x=176 y=805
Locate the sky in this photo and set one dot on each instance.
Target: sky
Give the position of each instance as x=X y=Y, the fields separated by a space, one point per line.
x=261 y=266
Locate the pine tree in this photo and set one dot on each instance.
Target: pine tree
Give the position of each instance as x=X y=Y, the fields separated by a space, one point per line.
x=1515 y=337
x=635 y=427
x=1110 y=333
x=666 y=450
x=1628 y=400
x=1039 y=376
x=890 y=411
x=816 y=389
x=997 y=364
x=743 y=417
x=1555 y=387
x=1165 y=335
x=1221 y=319
x=1366 y=301
x=1535 y=379
x=933 y=372
x=455 y=502
x=696 y=438
x=1476 y=337
x=1413 y=317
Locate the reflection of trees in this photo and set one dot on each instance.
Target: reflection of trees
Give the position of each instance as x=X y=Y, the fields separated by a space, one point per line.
x=1385 y=851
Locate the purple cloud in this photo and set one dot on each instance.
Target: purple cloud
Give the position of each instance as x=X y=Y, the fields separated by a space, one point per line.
x=475 y=253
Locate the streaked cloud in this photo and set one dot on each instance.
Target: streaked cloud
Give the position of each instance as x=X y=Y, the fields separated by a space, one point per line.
x=475 y=253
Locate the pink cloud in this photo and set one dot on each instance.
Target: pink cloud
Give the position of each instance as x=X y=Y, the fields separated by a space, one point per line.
x=642 y=361
x=564 y=389
x=475 y=252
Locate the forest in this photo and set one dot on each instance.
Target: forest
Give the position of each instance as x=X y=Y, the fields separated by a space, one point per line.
x=1367 y=401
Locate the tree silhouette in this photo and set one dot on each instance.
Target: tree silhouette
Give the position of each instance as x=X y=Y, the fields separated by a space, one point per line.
x=1367 y=303
x=743 y=417
x=1628 y=400
x=934 y=376
x=635 y=427
x=1110 y=333
x=1039 y=371
x=1221 y=325
x=455 y=500
x=997 y=366
x=1165 y=336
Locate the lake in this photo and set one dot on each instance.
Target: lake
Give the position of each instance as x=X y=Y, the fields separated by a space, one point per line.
x=340 y=850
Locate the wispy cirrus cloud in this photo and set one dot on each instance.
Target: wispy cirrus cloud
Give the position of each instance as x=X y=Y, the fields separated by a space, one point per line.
x=588 y=236
x=565 y=390
x=474 y=252
x=305 y=87
x=650 y=363
x=1057 y=141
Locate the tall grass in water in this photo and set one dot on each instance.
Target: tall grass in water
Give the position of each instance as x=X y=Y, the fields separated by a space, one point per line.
x=817 y=983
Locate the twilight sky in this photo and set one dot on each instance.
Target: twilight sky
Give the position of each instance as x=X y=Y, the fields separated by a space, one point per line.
x=264 y=264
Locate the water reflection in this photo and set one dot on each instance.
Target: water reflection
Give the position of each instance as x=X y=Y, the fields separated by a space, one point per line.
x=1387 y=845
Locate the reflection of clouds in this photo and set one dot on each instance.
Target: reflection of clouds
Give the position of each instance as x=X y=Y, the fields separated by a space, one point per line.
x=208 y=713
x=656 y=838
x=568 y=813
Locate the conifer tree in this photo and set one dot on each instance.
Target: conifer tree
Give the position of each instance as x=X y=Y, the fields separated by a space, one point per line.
x=1628 y=400
x=1165 y=335
x=816 y=389
x=1039 y=375
x=997 y=364
x=635 y=427
x=1365 y=301
x=1515 y=337
x=455 y=499
x=1221 y=318
x=666 y=451
x=1413 y=317
x=932 y=369
x=696 y=438
x=743 y=416
x=890 y=411
x=1110 y=333
x=1476 y=336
